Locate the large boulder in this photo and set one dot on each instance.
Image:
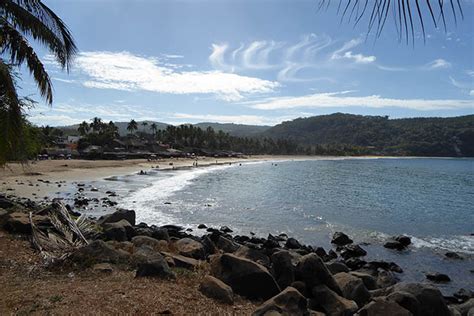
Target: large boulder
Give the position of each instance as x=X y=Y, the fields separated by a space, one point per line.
x=19 y=222
x=156 y=267
x=292 y=243
x=331 y=302
x=158 y=245
x=288 y=302
x=350 y=251
x=227 y=245
x=283 y=269
x=246 y=277
x=438 y=277
x=406 y=300
x=385 y=278
x=352 y=288
x=369 y=281
x=341 y=239
x=98 y=252
x=466 y=307
x=120 y=231
x=430 y=298
x=383 y=307
x=190 y=248
x=253 y=254
x=182 y=261
x=128 y=215
x=216 y=289
x=312 y=270
x=336 y=267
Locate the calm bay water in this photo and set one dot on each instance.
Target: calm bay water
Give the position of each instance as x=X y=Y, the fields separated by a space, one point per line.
x=431 y=200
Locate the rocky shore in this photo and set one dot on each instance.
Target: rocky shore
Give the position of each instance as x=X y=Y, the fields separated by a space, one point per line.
x=276 y=275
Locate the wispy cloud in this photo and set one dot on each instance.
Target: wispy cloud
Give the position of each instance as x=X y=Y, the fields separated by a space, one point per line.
x=340 y=99
x=438 y=64
x=345 y=52
x=236 y=119
x=129 y=72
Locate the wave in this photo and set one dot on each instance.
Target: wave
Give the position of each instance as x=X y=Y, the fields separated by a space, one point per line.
x=463 y=244
x=148 y=200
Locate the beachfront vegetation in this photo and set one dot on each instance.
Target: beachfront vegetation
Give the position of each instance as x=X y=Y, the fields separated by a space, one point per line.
x=21 y=20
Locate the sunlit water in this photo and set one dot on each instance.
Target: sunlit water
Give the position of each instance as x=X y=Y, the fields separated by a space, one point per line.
x=431 y=200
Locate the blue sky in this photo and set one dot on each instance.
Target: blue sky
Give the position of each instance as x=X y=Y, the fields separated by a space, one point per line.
x=250 y=61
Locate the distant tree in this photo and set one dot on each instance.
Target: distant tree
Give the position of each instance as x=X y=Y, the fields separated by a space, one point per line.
x=154 y=129
x=132 y=126
x=83 y=128
x=144 y=124
x=96 y=124
x=112 y=129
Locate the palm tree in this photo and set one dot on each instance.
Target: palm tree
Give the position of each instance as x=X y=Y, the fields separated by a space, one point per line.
x=19 y=20
x=407 y=14
x=96 y=124
x=113 y=129
x=132 y=126
x=154 y=128
x=83 y=128
x=144 y=124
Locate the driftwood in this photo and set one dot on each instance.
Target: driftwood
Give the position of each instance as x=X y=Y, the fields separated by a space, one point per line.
x=65 y=234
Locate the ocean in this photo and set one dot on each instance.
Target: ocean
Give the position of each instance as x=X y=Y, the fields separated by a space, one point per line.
x=370 y=199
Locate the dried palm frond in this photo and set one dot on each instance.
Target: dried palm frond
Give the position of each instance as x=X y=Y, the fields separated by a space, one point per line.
x=405 y=14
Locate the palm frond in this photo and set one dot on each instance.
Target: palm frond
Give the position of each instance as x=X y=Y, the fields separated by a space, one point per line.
x=404 y=13
x=20 y=51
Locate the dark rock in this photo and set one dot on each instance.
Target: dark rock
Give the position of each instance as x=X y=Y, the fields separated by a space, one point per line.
x=463 y=294
x=394 y=244
x=352 y=288
x=301 y=287
x=288 y=302
x=453 y=255
x=466 y=308
x=331 y=302
x=369 y=281
x=350 y=251
x=182 y=261
x=438 y=277
x=336 y=267
x=98 y=252
x=404 y=240
x=341 y=239
x=227 y=245
x=157 y=245
x=254 y=255
x=6 y=203
x=292 y=243
x=190 y=248
x=158 y=267
x=283 y=269
x=19 y=222
x=209 y=245
x=128 y=215
x=389 y=266
x=406 y=300
x=120 y=231
x=246 y=277
x=383 y=307
x=321 y=253
x=226 y=229
x=312 y=270
x=354 y=263
x=216 y=289
x=202 y=226
x=385 y=279
x=430 y=298
x=160 y=234
x=145 y=254
x=331 y=255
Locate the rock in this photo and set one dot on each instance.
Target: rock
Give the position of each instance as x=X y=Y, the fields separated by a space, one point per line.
x=406 y=300
x=283 y=269
x=120 y=231
x=6 y=203
x=331 y=302
x=246 y=277
x=383 y=307
x=394 y=244
x=312 y=270
x=145 y=254
x=202 y=226
x=404 y=240
x=336 y=267
x=254 y=255
x=19 y=222
x=301 y=287
x=157 y=245
x=209 y=245
x=352 y=288
x=226 y=245
x=463 y=294
x=453 y=255
x=190 y=248
x=369 y=281
x=350 y=251
x=454 y=311
x=98 y=252
x=430 y=298
x=466 y=307
x=288 y=302
x=160 y=234
x=292 y=243
x=103 y=267
x=438 y=277
x=389 y=266
x=354 y=263
x=215 y=288
x=158 y=267
x=341 y=239
x=226 y=229
x=128 y=215
x=385 y=279
x=182 y=261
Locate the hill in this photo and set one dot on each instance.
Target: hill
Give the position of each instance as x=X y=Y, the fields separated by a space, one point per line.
x=452 y=136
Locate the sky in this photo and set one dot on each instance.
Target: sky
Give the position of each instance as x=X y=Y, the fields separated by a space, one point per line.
x=249 y=62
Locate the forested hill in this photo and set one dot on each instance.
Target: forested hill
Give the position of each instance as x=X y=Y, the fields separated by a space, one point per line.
x=452 y=136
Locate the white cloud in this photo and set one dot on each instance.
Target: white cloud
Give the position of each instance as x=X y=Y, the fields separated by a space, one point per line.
x=236 y=119
x=345 y=53
x=471 y=93
x=217 y=56
x=339 y=99
x=438 y=64
x=128 y=72
x=256 y=55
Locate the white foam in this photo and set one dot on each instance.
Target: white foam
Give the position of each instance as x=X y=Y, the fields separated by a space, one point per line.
x=464 y=244
x=145 y=200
